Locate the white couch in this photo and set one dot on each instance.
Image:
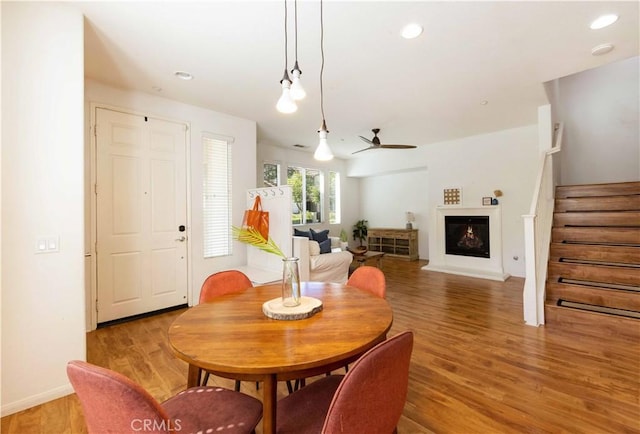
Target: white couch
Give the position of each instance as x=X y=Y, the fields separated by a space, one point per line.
x=325 y=267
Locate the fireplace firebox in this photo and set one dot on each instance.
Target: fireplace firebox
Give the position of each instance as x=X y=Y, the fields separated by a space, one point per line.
x=467 y=236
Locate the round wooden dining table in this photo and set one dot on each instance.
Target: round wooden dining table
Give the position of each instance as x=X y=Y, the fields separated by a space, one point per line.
x=231 y=337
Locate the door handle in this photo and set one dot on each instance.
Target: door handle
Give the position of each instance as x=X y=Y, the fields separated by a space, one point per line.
x=181 y=239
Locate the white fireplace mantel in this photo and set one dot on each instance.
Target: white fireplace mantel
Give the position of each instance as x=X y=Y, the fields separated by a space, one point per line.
x=485 y=268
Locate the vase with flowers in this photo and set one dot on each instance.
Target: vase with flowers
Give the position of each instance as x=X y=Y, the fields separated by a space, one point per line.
x=290 y=271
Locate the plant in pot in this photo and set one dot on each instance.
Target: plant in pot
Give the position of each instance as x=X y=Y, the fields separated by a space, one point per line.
x=344 y=244
x=360 y=233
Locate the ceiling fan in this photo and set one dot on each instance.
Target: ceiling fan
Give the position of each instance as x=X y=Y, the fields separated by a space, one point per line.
x=375 y=143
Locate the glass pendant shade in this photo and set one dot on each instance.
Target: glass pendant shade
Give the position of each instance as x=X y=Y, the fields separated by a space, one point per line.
x=286 y=104
x=297 y=91
x=323 y=151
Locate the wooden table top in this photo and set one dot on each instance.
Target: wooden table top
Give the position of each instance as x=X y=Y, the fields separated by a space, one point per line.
x=232 y=336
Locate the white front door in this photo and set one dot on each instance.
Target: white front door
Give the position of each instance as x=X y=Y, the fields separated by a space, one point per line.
x=141 y=214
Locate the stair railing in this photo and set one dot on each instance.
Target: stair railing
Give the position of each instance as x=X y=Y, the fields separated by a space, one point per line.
x=537 y=235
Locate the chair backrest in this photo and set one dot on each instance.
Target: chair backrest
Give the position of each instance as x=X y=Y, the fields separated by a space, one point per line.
x=382 y=376
x=112 y=403
x=369 y=279
x=223 y=282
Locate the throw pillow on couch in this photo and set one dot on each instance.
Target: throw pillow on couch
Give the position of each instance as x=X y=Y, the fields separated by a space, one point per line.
x=322 y=238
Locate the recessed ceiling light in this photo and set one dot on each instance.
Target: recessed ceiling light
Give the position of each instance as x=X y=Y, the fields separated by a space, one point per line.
x=601 y=49
x=411 y=31
x=603 y=21
x=183 y=75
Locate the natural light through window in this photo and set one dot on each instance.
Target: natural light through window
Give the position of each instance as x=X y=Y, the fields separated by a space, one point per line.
x=216 y=195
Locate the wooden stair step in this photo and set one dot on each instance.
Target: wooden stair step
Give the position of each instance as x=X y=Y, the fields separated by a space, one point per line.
x=600 y=309
x=601 y=325
x=597 y=219
x=594 y=252
x=596 y=190
x=616 y=275
x=598 y=235
x=612 y=203
x=593 y=295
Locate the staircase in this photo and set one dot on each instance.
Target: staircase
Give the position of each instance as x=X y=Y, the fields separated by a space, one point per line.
x=593 y=278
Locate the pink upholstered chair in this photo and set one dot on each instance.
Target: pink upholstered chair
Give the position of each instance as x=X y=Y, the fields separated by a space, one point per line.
x=221 y=283
x=112 y=403
x=369 y=279
x=369 y=399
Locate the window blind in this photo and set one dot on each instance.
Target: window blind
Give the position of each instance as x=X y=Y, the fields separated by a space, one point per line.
x=216 y=191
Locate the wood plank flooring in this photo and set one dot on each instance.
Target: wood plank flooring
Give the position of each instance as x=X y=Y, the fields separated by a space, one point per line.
x=476 y=368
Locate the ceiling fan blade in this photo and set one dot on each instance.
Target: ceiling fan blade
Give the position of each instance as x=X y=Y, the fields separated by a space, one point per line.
x=366 y=140
x=365 y=149
x=398 y=146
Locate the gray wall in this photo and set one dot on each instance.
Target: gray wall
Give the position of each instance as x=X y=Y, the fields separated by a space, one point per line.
x=600 y=109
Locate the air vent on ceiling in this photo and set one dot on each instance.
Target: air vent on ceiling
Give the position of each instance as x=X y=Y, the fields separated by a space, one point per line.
x=298 y=145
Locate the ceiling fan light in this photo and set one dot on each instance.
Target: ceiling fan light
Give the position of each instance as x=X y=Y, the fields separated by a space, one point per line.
x=323 y=151
x=286 y=104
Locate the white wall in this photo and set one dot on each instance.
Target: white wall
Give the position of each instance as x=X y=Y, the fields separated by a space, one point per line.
x=350 y=199
x=601 y=111
x=505 y=160
x=201 y=120
x=43 y=321
x=386 y=198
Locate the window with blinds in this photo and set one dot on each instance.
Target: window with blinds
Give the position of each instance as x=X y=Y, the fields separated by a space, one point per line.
x=216 y=195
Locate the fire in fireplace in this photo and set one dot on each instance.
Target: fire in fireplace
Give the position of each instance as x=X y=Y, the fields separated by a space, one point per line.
x=467 y=236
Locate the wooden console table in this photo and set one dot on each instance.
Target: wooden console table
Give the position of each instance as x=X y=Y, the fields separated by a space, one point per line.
x=399 y=243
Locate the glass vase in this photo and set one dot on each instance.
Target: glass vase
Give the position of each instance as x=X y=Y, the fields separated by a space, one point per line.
x=290 y=282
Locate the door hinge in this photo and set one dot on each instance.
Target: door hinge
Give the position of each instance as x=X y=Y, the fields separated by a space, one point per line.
x=95 y=130
x=96 y=305
x=95 y=189
x=95 y=247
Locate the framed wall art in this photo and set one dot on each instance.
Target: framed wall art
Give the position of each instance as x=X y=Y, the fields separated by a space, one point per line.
x=452 y=196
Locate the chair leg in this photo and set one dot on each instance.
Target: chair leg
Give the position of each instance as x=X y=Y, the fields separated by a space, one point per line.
x=237 y=386
x=206 y=378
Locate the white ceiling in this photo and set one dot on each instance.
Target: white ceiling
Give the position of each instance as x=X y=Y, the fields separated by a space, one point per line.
x=417 y=91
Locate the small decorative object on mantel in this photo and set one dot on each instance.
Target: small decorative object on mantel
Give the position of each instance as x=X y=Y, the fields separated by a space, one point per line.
x=453 y=196
x=486 y=200
x=410 y=219
x=496 y=193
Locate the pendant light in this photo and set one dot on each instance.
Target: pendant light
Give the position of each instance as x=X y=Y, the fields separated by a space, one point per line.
x=323 y=151
x=286 y=104
x=297 y=91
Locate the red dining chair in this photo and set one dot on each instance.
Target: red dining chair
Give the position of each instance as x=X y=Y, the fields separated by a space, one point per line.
x=369 y=399
x=369 y=279
x=221 y=283
x=112 y=403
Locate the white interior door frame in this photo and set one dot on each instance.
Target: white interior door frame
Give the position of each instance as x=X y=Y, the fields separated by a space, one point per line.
x=92 y=290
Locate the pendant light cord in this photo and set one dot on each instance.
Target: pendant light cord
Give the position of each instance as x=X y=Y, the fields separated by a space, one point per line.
x=285 y=36
x=295 y=10
x=322 y=62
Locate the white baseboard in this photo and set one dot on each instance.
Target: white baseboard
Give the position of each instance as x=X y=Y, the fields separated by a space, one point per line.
x=32 y=401
x=469 y=272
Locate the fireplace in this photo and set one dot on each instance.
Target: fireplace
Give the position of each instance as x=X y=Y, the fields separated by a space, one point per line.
x=467 y=236
x=485 y=261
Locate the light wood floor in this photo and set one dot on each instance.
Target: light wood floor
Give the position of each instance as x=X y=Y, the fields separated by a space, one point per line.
x=476 y=368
